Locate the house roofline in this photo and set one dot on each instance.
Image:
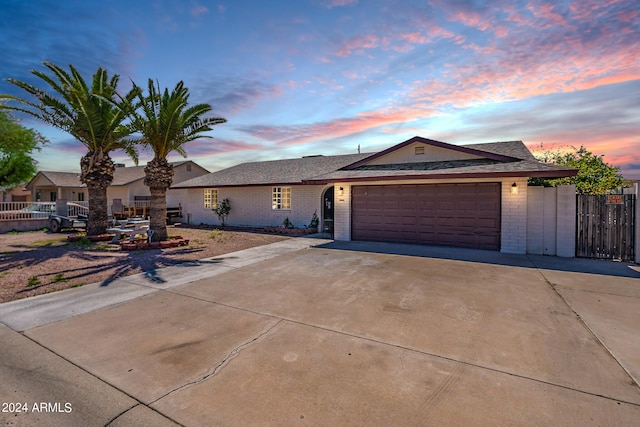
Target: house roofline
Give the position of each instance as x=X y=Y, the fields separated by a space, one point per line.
x=434 y=143
x=268 y=184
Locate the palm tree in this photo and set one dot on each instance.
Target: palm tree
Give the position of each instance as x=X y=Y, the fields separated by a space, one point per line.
x=89 y=115
x=166 y=123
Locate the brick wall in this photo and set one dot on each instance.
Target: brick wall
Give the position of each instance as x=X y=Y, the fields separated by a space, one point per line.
x=342 y=212
x=514 y=216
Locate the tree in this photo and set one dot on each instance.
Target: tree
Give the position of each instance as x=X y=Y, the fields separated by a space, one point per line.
x=595 y=176
x=16 y=146
x=90 y=115
x=223 y=210
x=166 y=123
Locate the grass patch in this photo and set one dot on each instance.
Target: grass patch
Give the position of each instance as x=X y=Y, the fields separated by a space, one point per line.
x=33 y=281
x=220 y=235
x=59 y=278
x=83 y=242
x=47 y=242
x=77 y=285
x=217 y=235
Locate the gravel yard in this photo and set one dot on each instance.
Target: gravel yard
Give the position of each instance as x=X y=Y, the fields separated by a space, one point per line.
x=39 y=262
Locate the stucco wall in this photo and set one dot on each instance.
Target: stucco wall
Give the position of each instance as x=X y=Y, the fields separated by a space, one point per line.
x=251 y=206
x=121 y=193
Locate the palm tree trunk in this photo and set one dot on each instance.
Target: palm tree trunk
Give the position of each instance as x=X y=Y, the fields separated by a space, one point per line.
x=97 y=173
x=158 y=214
x=158 y=177
x=98 y=214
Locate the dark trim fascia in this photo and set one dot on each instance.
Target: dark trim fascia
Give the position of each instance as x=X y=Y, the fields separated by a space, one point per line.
x=528 y=174
x=272 y=184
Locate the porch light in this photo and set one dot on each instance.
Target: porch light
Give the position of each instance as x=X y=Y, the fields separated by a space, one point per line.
x=514 y=188
x=340 y=191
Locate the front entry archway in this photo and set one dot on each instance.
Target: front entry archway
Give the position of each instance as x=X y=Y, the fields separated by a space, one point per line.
x=327 y=211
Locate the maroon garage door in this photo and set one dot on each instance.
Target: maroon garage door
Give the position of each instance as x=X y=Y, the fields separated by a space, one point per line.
x=462 y=215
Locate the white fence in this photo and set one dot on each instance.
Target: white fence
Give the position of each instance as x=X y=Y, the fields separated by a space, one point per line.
x=10 y=211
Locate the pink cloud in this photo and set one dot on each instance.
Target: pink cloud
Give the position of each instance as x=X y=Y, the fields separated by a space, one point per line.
x=358 y=44
x=300 y=134
x=619 y=149
x=556 y=60
x=471 y=19
x=546 y=12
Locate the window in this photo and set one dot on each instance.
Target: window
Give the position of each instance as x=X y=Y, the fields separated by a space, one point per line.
x=210 y=198
x=281 y=198
x=53 y=196
x=81 y=197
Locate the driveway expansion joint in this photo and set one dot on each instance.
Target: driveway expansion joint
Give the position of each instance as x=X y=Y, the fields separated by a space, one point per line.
x=553 y=286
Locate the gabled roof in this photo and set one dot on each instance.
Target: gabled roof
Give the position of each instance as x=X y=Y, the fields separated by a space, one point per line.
x=493 y=155
x=496 y=159
x=288 y=171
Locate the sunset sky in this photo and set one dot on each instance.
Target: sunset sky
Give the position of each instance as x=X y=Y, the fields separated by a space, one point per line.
x=309 y=77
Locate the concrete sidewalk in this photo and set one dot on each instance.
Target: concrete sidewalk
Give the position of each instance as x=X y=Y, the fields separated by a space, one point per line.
x=315 y=332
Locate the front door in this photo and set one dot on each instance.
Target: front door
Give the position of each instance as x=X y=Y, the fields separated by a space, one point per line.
x=327 y=211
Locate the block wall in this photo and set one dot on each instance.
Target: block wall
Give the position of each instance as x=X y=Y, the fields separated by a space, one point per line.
x=566 y=221
x=551 y=221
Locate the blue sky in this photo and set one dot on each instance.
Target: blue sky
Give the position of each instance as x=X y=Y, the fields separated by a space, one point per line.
x=310 y=77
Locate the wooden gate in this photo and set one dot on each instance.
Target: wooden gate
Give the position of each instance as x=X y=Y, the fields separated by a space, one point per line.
x=605 y=226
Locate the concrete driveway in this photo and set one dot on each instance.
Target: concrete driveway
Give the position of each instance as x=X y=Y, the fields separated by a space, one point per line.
x=311 y=332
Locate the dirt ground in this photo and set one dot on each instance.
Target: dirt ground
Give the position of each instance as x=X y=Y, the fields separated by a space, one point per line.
x=39 y=262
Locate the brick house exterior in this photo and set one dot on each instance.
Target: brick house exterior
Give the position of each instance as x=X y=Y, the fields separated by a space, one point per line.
x=364 y=190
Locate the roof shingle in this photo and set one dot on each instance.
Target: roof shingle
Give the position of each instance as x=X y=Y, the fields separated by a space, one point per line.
x=320 y=169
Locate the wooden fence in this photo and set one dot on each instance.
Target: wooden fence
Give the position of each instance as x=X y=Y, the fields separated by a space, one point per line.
x=605 y=226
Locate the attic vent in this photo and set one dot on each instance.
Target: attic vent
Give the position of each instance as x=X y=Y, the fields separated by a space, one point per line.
x=419 y=150
x=120 y=165
x=315 y=155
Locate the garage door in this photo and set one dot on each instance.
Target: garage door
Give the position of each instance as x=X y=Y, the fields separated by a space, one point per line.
x=461 y=215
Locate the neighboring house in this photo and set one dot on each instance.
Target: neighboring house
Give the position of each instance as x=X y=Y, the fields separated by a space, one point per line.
x=15 y=194
x=127 y=185
x=419 y=191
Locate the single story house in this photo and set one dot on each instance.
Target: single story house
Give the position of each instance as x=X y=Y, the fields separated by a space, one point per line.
x=128 y=184
x=419 y=191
